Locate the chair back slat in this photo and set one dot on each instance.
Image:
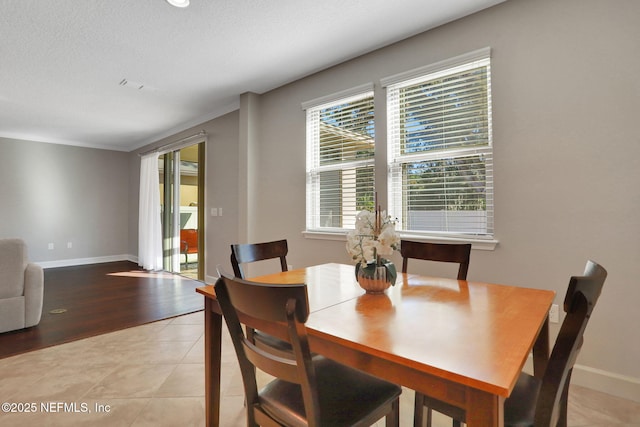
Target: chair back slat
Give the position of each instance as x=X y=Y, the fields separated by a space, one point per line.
x=266 y=301
x=440 y=252
x=252 y=252
x=279 y=367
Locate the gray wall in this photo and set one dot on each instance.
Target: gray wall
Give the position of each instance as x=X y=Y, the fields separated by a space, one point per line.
x=565 y=105
x=60 y=194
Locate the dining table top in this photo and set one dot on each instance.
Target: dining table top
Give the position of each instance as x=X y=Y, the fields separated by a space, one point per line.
x=472 y=333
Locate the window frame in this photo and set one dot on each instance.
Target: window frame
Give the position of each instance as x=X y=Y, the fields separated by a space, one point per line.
x=397 y=160
x=482 y=242
x=313 y=213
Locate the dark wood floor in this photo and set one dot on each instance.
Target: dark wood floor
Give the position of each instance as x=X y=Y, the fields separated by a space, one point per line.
x=102 y=298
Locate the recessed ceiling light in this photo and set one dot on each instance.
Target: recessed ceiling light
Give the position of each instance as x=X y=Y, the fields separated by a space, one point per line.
x=178 y=3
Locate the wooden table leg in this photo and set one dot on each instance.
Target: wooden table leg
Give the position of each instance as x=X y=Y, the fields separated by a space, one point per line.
x=541 y=350
x=212 y=358
x=485 y=409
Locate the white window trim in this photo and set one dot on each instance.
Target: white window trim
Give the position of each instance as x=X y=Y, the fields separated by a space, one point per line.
x=441 y=66
x=476 y=244
x=330 y=99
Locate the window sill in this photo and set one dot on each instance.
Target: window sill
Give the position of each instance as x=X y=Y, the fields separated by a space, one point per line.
x=478 y=244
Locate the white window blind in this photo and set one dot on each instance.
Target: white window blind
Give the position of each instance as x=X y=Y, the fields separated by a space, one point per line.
x=440 y=178
x=340 y=161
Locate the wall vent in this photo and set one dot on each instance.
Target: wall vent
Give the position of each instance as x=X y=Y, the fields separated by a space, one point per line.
x=131 y=85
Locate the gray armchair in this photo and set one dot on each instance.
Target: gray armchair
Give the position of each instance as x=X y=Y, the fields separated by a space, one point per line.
x=21 y=287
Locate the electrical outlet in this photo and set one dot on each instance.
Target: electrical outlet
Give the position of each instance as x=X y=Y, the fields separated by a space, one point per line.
x=554 y=313
x=51 y=246
x=69 y=245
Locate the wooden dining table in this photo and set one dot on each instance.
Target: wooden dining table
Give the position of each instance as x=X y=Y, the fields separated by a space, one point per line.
x=462 y=342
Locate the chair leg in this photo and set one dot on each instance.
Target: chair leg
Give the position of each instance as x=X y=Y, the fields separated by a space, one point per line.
x=418 y=410
x=429 y=417
x=393 y=417
x=564 y=402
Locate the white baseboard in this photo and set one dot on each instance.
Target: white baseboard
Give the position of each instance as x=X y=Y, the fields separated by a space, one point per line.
x=85 y=261
x=607 y=382
x=600 y=380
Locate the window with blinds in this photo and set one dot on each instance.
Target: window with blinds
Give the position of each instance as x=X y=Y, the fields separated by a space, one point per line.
x=340 y=161
x=440 y=149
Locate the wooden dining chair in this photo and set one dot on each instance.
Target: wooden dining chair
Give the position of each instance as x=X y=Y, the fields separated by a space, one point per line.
x=441 y=252
x=307 y=390
x=543 y=402
x=253 y=252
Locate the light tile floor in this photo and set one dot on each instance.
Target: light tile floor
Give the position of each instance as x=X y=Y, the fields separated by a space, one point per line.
x=153 y=375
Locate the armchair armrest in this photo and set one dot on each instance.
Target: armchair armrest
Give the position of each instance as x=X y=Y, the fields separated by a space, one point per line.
x=33 y=294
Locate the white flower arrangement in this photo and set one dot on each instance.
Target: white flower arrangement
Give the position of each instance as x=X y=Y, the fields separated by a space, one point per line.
x=373 y=238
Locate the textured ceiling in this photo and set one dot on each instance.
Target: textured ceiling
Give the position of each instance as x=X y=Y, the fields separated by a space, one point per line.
x=71 y=70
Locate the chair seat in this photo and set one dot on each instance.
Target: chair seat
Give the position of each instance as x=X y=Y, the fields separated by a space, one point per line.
x=520 y=407
x=347 y=396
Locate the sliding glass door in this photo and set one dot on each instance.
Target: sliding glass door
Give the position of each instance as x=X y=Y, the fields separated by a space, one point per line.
x=182 y=199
